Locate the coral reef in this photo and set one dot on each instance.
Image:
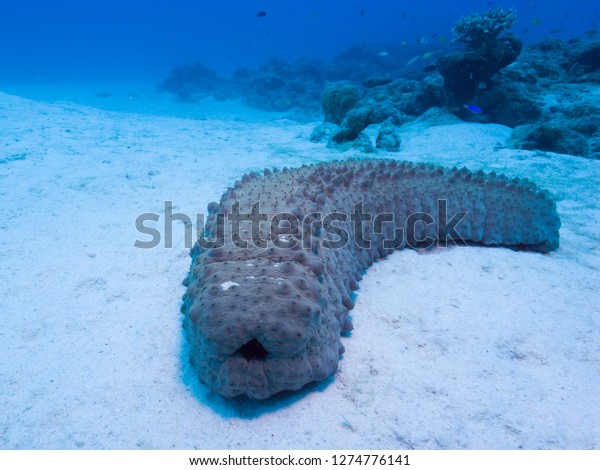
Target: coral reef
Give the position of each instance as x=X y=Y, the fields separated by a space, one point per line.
x=192 y=82
x=563 y=112
x=508 y=102
x=269 y=316
x=361 y=142
x=281 y=86
x=552 y=138
x=587 y=58
x=550 y=86
x=337 y=100
x=489 y=48
x=275 y=86
x=539 y=94
x=396 y=101
x=388 y=138
x=481 y=30
x=323 y=132
x=355 y=121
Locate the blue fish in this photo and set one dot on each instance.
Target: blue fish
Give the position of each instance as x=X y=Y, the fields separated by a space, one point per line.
x=474 y=109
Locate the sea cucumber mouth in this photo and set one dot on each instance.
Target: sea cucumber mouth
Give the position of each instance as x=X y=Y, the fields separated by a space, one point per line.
x=254 y=371
x=253 y=350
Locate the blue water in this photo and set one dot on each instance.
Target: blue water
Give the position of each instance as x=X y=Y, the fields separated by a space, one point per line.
x=66 y=42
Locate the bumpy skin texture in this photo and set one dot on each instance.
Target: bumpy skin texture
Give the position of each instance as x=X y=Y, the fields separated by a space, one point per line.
x=260 y=320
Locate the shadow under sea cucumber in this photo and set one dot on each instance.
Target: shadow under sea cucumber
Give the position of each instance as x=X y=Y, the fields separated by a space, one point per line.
x=265 y=311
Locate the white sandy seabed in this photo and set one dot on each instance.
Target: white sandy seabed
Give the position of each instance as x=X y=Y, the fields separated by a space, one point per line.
x=456 y=348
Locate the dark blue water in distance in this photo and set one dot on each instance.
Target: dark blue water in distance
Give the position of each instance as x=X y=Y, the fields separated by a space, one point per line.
x=78 y=41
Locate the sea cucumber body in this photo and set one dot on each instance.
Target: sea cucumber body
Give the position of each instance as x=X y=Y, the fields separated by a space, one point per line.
x=262 y=319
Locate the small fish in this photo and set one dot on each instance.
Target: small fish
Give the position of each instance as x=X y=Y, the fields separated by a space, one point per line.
x=442 y=38
x=429 y=68
x=591 y=33
x=555 y=31
x=482 y=86
x=473 y=108
x=535 y=21
x=403 y=15
x=314 y=14
x=423 y=40
x=362 y=12
x=403 y=43
x=261 y=13
x=427 y=55
x=383 y=53
x=103 y=94
x=413 y=60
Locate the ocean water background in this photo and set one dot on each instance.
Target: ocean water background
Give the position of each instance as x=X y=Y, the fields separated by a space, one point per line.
x=79 y=41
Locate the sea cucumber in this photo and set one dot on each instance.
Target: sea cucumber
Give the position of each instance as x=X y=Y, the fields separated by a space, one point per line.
x=266 y=318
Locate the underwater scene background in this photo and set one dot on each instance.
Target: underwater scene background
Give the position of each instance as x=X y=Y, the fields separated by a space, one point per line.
x=85 y=40
x=114 y=110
